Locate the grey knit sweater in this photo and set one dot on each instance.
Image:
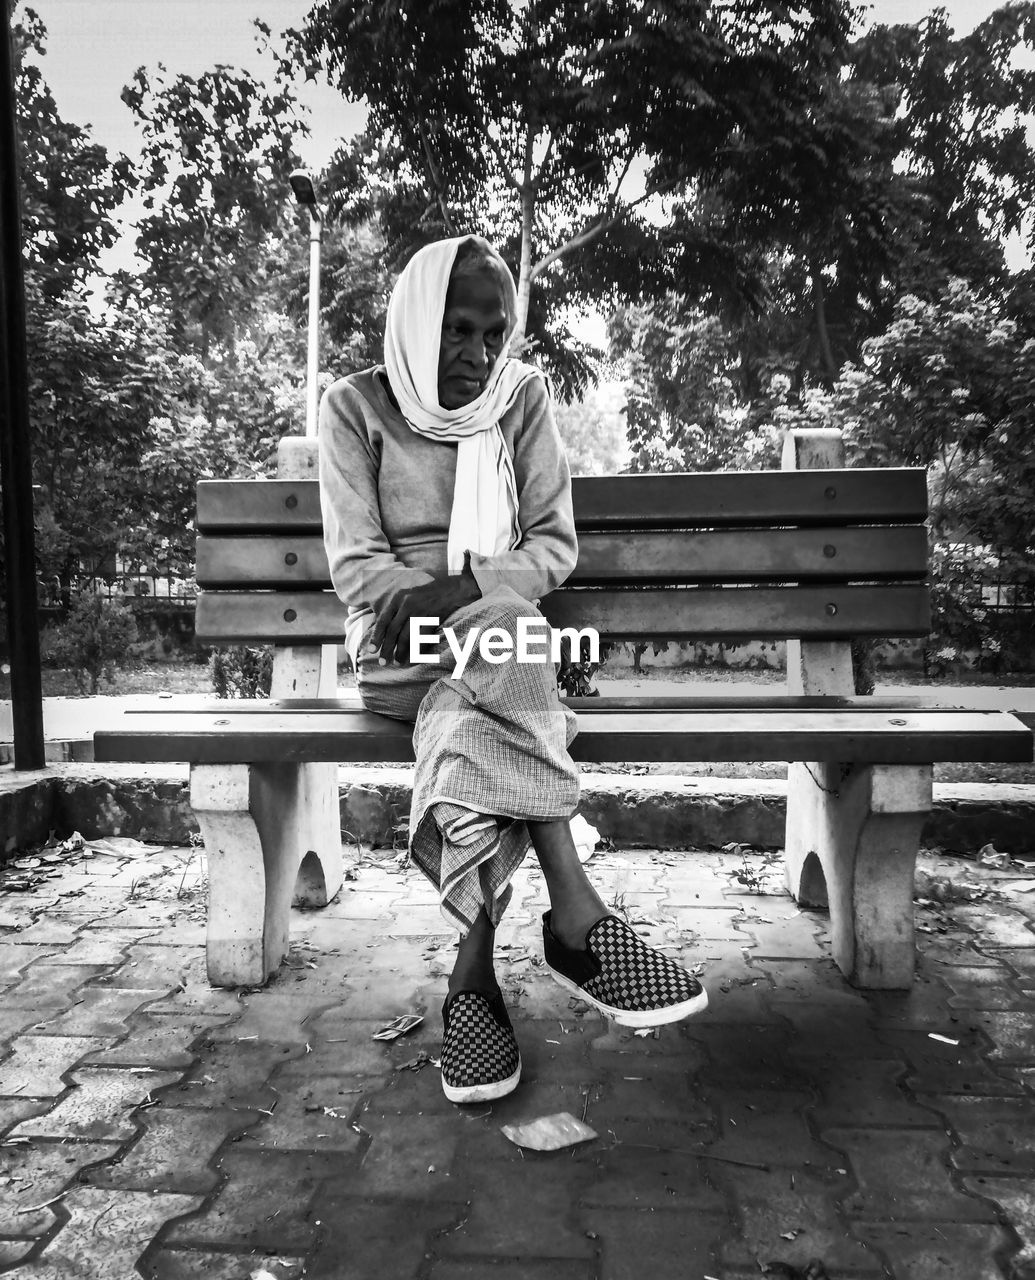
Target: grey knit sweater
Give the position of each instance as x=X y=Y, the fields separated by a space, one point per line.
x=387 y=494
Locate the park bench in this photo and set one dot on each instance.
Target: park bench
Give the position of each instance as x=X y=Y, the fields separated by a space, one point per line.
x=814 y=554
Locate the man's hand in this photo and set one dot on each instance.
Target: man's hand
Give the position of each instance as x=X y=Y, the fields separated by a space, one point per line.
x=390 y=635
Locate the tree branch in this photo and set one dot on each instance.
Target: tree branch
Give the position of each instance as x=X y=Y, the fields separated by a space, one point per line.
x=593 y=232
x=435 y=175
x=508 y=176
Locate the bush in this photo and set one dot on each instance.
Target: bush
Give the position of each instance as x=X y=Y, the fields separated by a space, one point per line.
x=95 y=639
x=242 y=672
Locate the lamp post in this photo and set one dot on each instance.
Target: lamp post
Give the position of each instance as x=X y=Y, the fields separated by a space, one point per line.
x=305 y=194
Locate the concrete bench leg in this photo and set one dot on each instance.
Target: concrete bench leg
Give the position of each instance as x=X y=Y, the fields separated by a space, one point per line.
x=852 y=838
x=260 y=824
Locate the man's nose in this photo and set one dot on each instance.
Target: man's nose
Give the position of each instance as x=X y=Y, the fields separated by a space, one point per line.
x=475 y=352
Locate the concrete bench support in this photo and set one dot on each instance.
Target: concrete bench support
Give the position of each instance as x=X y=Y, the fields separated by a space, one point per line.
x=250 y=817
x=853 y=831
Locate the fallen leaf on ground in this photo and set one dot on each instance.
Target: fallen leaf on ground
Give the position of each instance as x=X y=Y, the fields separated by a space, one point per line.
x=549 y=1133
x=398 y=1026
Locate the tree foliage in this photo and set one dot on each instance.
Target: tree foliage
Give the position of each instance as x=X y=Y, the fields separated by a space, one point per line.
x=70 y=188
x=550 y=126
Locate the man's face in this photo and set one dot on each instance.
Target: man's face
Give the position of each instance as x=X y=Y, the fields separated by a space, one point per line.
x=474 y=329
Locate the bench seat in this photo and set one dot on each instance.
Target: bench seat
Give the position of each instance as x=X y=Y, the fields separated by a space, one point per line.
x=610 y=730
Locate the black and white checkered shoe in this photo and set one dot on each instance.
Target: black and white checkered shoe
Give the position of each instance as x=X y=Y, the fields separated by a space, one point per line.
x=623 y=978
x=480 y=1058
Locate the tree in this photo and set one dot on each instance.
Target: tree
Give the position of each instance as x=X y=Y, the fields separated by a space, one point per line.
x=69 y=187
x=217 y=151
x=593 y=431
x=548 y=125
x=949 y=385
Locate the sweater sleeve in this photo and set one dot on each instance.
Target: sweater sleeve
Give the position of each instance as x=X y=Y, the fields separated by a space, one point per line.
x=548 y=549
x=364 y=570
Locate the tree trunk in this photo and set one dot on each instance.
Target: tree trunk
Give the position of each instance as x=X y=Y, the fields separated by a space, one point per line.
x=819 y=305
x=525 y=268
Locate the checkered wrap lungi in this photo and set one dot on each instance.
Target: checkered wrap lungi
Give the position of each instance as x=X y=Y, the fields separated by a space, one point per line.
x=491 y=752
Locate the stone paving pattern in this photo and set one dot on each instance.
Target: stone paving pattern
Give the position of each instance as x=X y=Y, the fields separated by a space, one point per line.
x=152 y=1126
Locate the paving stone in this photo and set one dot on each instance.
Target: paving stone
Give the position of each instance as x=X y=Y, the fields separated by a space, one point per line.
x=409 y=1157
x=46 y=985
x=706 y=923
x=47 y=931
x=105 y=946
x=105 y=1234
x=869 y=1092
x=274 y=1019
x=610 y=1046
x=264 y=1202
x=361 y=1239
x=13 y=1251
x=986 y=988
x=934 y=1066
x=154 y=1040
x=654 y=1166
x=794 y=938
x=175 y=1150
x=1017 y=1198
x=660 y=1095
x=235 y=1075
x=952 y=948
x=773 y=1206
x=512 y=1269
x=15 y=957
x=667 y=1246
x=904 y=1173
x=12 y=1022
x=1012 y=1035
x=39 y=1173
x=346 y=1045
x=998 y=1134
x=1021 y=960
x=768 y=1127
x=937 y=1251
x=516 y=1192
x=87 y=900
x=38 y=1064
x=99 y=1105
x=842 y=1032
x=12 y=1110
x=1002 y=927
x=161 y=967
x=199 y=997
x=190 y=1264
x=312 y=1113
x=97 y=1012
x=756 y=1056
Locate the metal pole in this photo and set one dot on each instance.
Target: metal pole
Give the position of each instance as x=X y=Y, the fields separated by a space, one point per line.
x=312 y=386
x=15 y=448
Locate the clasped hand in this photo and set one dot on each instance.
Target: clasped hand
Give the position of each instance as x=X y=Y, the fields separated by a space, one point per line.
x=390 y=635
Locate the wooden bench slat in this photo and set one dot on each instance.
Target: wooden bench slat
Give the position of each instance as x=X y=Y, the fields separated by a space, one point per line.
x=317 y=617
x=849 y=496
x=896 y=552
x=349 y=701
x=895 y=736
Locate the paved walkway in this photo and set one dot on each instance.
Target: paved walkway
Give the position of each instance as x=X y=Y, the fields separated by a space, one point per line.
x=151 y=1126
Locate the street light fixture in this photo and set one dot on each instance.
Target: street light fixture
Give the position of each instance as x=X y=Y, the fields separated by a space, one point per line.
x=305 y=194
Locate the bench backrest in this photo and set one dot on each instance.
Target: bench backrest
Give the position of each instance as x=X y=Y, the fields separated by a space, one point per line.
x=775 y=554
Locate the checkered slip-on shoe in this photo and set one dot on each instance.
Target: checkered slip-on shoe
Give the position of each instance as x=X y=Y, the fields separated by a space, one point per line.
x=480 y=1058
x=623 y=978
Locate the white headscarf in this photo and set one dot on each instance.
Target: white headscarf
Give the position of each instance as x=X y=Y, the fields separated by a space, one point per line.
x=484 y=516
